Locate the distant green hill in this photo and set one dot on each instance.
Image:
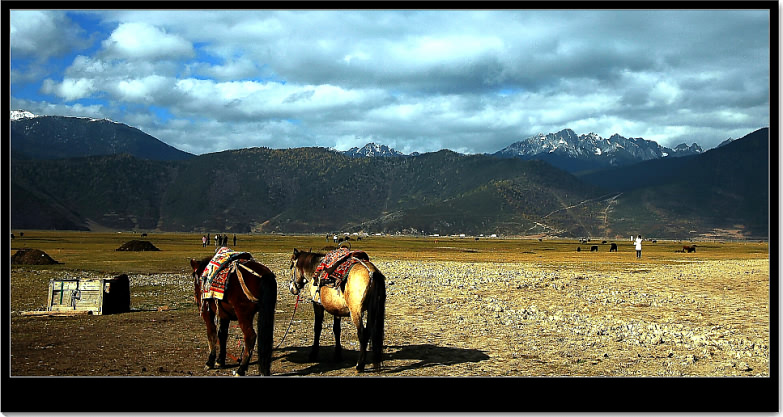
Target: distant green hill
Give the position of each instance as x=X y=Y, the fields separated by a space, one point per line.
x=118 y=192
x=316 y=190
x=299 y=190
x=725 y=188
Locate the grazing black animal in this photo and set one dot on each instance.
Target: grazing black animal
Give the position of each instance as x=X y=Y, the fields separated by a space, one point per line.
x=689 y=249
x=613 y=248
x=593 y=248
x=578 y=248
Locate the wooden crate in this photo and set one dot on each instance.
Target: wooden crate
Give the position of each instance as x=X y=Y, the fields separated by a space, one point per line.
x=90 y=295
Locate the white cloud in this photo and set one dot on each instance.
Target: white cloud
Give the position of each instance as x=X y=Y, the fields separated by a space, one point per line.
x=414 y=79
x=141 y=90
x=235 y=69
x=138 y=41
x=69 y=89
x=43 y=33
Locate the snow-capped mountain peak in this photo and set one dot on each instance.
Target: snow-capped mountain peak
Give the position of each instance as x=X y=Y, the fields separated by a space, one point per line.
x=373 y=149
x=24 y=114
x=21 y=114
x=591 y=150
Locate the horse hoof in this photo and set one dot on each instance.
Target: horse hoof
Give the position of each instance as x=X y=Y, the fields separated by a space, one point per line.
x=207 y=367
x=236 y=373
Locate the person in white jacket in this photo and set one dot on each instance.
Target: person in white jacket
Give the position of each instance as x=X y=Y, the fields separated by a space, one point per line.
x=638 y=244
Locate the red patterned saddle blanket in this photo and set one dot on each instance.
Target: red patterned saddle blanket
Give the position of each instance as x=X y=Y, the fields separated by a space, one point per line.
x=214 y=279
x=336 y=265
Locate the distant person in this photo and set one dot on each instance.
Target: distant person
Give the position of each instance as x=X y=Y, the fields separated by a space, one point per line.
x=638 y=244
x=235 y=239
x=217 y=240
x=203 y=241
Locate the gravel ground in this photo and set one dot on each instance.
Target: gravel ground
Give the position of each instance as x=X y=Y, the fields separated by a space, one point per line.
x=444 y=318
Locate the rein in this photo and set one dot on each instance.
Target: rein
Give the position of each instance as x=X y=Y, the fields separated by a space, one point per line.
x=290 y=322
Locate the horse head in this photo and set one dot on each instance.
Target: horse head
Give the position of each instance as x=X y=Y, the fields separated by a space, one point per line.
x=198 y=269
x=298 y=279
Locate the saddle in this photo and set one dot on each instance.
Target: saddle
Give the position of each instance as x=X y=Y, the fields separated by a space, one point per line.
x=336 y=265
x=214 y=279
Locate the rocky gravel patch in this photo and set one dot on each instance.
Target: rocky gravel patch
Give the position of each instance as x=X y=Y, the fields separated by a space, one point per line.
x=642 y=321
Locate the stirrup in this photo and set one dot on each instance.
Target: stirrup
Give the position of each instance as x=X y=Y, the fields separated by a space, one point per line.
x=317 y=298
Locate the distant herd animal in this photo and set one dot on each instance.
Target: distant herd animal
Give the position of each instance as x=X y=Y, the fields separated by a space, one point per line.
x=613 y=246
x=594 y=248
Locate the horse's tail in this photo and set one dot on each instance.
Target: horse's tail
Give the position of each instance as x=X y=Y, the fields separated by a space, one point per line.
x=266 y=323
x=376 y=314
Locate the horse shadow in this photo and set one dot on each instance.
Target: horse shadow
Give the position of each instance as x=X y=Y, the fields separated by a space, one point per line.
x=423 y=355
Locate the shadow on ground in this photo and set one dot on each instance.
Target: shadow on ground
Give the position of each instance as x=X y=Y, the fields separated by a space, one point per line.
x=424 y=356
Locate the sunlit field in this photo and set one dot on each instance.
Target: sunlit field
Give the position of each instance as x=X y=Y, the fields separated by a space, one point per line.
x=455 y=307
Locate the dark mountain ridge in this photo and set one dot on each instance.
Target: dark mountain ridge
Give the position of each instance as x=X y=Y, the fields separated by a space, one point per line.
x=54 y=137
x=298 y=190
x=725 y=188
x=316 y=190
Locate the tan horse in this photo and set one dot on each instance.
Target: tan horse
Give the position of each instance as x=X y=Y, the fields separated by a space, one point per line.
x=364 y=290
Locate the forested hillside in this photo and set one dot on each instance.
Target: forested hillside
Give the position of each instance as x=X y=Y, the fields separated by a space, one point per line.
x=299 y=190
x=724 y=192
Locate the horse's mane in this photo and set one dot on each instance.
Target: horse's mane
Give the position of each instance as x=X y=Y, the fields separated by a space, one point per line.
x=309 y=260
x=311 y=255
x=203 y=264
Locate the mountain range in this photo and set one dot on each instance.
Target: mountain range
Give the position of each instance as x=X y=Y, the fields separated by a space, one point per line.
x=572 y=153
x=315 y=190
x=374 y=150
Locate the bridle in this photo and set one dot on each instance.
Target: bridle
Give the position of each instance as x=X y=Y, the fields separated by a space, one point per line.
x=293 y=284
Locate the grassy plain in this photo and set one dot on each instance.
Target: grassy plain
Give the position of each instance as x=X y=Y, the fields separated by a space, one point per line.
x=97 y=251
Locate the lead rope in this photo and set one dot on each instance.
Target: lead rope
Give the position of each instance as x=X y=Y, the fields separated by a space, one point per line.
x=290 y=322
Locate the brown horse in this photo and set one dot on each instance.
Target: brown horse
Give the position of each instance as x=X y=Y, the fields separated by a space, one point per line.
x=251 y=288
x=364 y=289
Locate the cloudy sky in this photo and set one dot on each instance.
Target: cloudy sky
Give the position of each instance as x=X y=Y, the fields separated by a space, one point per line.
x=470 y=81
